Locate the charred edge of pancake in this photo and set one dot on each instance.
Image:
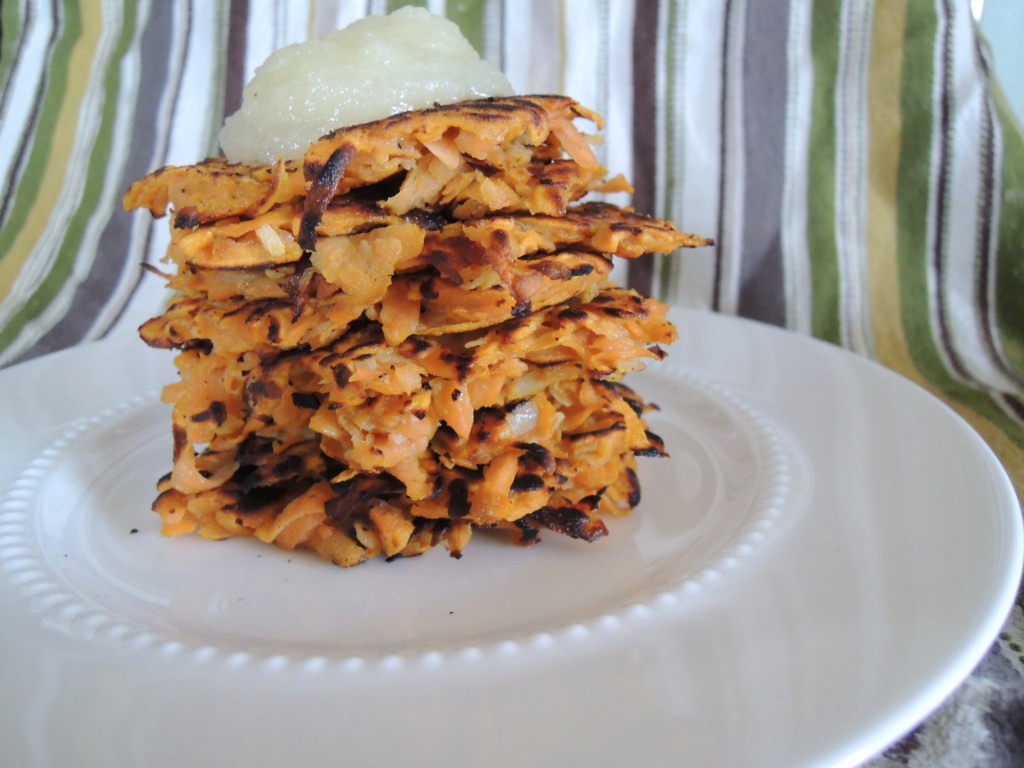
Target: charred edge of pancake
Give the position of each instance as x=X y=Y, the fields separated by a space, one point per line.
x=458 y=499
x=656 y=449
x=164 y=498
x=621 y=313
x=414 y=346
x=180 y=440
x=463 y=364
x=217 y=413
x=616 y=427
x=638 y=406
x=485 y=421
x=542 y=364
x=454 y=252
x=431 y=221
x=490 y=109
x=259 y=498
x=555 y=270
x=341 y=374
x=570 y=521
x=200 y=346
x=321 y=192
x=254 y=448
x=354 y=498
x=536 y=457
x=159 y=334
x=255 y=390
x=634 y=487
x=287 y=467
x=437 y=528
x=307 y=400
x=522 y=308
x=294 y=284
x=527 y=534
x=187 y=218
x=528 y=483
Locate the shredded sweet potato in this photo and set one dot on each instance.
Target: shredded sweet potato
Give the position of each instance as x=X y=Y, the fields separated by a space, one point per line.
x=406 y=337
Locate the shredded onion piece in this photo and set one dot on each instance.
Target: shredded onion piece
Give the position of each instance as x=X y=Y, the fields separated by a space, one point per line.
x=271 y=240
x=523 y=418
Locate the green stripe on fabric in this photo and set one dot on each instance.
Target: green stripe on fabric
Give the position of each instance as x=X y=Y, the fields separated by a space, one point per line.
x=394 y=5
x=222 y=14
x=821 y=217
x=97 y=169
x=98 y=302
x=29 y=185
x=913 y=194
x=1009 y=298
x=913 y=191
x=469 y=15
x=11 y=24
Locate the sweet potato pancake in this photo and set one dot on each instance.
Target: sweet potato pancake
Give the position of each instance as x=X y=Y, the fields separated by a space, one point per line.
x=506 y=154
x=406 y=336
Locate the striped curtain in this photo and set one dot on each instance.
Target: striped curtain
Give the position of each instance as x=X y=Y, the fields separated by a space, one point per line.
x=853 y=159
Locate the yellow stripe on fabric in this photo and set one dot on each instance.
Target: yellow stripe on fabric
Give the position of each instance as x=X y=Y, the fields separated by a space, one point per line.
x=1009 y=453
x=885 y=69
x=891 y=346
x=54 y=173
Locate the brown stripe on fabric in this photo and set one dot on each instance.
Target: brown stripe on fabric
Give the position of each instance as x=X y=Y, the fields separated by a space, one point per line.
x=15 y=56
x=501 y=36
x=111 y=254
x=765 y=40
x=503 y=46
x=1014 y=405
x=645 y=139
x=945 y=159
x=985 y=200
x=238 y=24
x=986 y=218
x=21 y=154
x=184 y=56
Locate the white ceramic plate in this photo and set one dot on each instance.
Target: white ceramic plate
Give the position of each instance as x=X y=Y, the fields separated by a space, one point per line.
x=828 y=552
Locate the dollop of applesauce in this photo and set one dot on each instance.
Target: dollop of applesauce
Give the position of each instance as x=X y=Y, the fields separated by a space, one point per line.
x=375 y=67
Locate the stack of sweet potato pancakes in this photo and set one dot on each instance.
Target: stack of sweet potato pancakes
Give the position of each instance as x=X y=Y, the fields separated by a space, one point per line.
x=407 y=335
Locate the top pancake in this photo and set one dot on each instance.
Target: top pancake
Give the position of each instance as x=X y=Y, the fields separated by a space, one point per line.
x=440 y=151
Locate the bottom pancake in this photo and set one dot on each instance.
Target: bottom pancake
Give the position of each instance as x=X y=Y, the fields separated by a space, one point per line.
x=367 y=516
